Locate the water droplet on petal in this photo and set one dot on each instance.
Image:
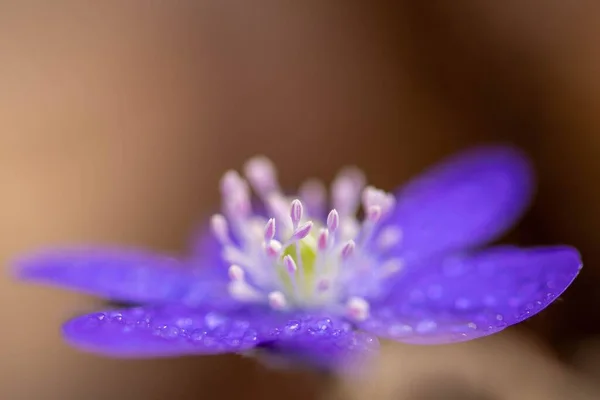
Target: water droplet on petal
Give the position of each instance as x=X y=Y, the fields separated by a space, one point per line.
x=462 y=303
x=426 y=326
x=400 y=330
x=324 y=324
x=292 y=327
x=213 y=320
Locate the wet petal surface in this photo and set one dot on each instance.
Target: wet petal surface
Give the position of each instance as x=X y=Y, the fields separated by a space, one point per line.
x=173 y=330
x=458 y=298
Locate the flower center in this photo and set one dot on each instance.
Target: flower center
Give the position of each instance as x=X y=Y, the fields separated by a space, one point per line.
x=295 y=254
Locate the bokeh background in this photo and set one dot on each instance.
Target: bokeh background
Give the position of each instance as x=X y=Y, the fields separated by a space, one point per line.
x=117 y=119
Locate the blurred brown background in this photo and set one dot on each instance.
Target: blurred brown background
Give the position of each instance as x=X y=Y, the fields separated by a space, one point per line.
x=117 y=119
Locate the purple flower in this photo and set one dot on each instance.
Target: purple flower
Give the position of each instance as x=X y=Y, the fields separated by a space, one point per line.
x=318 y=284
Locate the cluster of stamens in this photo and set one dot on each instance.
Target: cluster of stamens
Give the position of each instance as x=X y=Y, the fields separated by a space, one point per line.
x=295 y=254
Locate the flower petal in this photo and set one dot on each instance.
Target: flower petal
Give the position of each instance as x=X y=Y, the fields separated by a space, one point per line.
x=122 y=275
x=459 y=298
x=167 y=330
x=173 y=330
x=206 y=252
x=465 y=201
x=318 y=341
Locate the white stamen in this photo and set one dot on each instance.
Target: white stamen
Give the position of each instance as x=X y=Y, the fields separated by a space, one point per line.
x=389 y=237
x=233 y=255
x=232 y=184
x=273 y=248
x=262 y=175
x=236 y=273
x=356 y=176
x=278 y=205
x=324 y=268
x=235 y=195
x=349 y=228
x=344 y=197
x=357 y=308
x=238 y=206
x=277 y=300
x=240 y=290
x=220 y=230
x=376 y=197
x=374 y=213
x=345 y=190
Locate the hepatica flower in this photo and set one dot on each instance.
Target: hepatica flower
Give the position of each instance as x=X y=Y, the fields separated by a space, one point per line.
x=307 y=278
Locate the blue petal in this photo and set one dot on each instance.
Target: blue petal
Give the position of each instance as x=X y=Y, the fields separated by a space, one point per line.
x=458 y=298
x=319 y=341
x=468 y=200
x=174 y=330
x=122 y=275
x=159 y=331
x=206 y=252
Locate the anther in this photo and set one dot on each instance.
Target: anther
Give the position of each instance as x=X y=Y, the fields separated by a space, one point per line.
x=296 y=211
x=236 y=273
x=346 y=189
x=232 y=183
x=269 y=230
x=374 y=213
x=357 y=308
x=348 y=250
x=290 y=264
x=273 y=248
x=376 y=197
x=261 y=173
x=220 y=230
x=302 y=231
x=277 y=300
x=333 y=220
x=323 y=239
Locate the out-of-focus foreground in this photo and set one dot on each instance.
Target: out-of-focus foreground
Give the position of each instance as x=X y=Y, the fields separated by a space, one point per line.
x=117 y=119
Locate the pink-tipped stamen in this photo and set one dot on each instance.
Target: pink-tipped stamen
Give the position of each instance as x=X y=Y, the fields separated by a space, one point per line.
x=262 y=175
x=296 y=211
x=220 y=229
x=323 y=240
x=348 y=250
x=333 y=221
x=273 y=248
x=290 y=264
x=357 y=308
x=301 y=232
x=277 y=300
x=269 y=230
